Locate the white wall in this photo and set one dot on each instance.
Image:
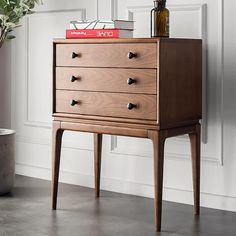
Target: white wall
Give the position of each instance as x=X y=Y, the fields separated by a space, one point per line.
x=127 y=162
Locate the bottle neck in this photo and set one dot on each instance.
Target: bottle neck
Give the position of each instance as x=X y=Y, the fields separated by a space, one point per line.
x=160 y=3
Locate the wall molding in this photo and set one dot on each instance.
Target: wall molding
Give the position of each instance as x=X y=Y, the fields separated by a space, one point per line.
x=190 y=7
x=193 y=7
x=171 y=7
x=68 y=143
x=130 y=187
x=103 y=6
x=120 y=185
x=220 y=83
x=202 y=8
x=37 y=123
x=115 y=149
x=114 y=9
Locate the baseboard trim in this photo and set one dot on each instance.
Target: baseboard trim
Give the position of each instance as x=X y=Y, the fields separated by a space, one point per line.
x=209 y=200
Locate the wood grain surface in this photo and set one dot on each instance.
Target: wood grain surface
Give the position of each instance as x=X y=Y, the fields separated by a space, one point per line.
x=107 y=104
x=107 y=79
x=100 y=55
x=124 y=40
x=180 y=82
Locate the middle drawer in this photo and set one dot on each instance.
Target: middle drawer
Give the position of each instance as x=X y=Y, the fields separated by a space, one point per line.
x=107 y=80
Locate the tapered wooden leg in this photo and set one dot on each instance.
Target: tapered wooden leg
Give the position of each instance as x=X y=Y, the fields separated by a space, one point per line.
x=56 y=152
x=97 y=161
x=158 y=139
x=195 y=139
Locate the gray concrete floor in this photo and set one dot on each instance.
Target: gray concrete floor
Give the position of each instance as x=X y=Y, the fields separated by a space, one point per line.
x=26 y=212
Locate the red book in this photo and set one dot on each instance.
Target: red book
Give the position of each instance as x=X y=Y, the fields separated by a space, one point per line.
x=98 y=33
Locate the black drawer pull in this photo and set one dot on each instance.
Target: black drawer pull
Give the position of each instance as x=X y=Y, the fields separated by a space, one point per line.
x=130 y=106
x=131 y=81
x=131 y=55
x=73 y=102
x=73 y=78
x=74 y=55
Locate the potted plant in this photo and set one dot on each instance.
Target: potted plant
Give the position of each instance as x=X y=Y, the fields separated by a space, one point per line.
x=11 y=12
x=7 y=160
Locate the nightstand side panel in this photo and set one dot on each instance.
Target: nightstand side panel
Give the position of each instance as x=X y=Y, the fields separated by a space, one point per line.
x=180 y=82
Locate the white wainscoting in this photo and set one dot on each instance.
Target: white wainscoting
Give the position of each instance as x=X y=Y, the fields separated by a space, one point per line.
x=127 y=162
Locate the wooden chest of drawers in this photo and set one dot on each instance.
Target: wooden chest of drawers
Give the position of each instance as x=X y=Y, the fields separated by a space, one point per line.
x=148 y=88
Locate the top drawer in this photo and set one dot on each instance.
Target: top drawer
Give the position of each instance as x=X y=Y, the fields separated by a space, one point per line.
x=128 y=55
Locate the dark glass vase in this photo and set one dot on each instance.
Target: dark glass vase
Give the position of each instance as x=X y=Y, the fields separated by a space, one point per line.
x=160 y=19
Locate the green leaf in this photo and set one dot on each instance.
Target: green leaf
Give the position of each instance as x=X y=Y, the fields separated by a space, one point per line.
x=30 y=12
x=12 y=11
x=9 y=37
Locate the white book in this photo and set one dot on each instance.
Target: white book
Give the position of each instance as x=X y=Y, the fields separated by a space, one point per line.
x=126 y=34
x=102 y=24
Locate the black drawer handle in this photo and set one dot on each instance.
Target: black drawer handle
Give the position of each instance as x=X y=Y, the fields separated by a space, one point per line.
x=74 y=55
x=131 y=81
x=131 y=55
x=130 y=106
x=73 y=102
x=73 y=78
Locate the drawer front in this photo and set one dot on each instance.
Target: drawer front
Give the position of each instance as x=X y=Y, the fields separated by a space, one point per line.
x=108 y=80
x=107 y=104
x=107 y=55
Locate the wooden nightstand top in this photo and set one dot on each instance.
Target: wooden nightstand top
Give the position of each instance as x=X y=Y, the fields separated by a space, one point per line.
x=129 y=40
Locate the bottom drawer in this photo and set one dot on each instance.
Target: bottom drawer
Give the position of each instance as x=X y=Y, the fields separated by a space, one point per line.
x=136 y=106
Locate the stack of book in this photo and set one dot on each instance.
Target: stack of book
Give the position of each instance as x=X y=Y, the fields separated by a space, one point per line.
x=100 y=29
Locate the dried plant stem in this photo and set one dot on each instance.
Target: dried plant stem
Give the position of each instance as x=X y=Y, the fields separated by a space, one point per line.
x=2 y=37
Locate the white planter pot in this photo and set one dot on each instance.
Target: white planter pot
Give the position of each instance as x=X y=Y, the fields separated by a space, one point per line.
x=7 y=160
